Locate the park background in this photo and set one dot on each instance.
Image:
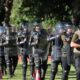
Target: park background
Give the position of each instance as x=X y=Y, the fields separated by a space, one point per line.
x=46 y=11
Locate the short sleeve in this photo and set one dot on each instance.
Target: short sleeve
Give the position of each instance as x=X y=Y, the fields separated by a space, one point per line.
x=63 y=37
x=74 y=38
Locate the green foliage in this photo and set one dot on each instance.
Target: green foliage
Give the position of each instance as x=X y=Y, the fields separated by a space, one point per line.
x=16 y=16
x=20 y=12
x=50 y=10
x=49 y=22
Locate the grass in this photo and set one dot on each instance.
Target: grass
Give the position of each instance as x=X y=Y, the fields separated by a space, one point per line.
x=18 y=73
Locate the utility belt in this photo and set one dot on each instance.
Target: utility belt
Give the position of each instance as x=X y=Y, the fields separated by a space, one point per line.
x=39 y=51
x=64 y=54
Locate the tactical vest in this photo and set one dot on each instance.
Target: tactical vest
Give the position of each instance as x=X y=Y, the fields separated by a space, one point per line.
x=56 y=48
x=21 y=37
x=76 y=50
x=41 y=48
x=42 y=42
x=12 y=39
x=11 y=47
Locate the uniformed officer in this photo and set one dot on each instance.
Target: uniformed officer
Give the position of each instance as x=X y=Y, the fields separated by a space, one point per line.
x=2 y=44
x=11 y=56
x=31 y=57
x=56 y=41
x=66 y=51
x=38 y=41
x=23 y=37
x=75 y=44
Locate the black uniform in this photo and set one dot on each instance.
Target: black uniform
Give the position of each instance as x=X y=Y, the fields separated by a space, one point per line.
x=11 y=55
x=39 y=47
x=67 y=53
x=23 y=37
x=2 y=41
x=56 y=41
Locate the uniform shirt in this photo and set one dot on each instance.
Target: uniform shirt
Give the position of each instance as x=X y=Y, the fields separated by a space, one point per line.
x=76 y=39
x=56 y=42
x=42 y=40
x=66 y=38
x=2 y=40
x=11 y=47
x=41 y=47
x=66 y=49
x=23 y=47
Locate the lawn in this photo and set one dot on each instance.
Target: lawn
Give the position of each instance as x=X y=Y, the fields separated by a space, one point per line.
x=18 y=73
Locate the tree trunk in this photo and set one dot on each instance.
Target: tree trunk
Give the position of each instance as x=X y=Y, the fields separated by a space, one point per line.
x=8 y=8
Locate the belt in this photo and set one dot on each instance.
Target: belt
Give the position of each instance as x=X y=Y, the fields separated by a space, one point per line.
x=64 y=54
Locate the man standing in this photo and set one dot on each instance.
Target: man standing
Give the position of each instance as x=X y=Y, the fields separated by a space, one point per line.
x=66 y=51
x=38 y=41
x=2 y=41
x=75 y=44
x=11 y=55
x=23 y=37
x=56 y=42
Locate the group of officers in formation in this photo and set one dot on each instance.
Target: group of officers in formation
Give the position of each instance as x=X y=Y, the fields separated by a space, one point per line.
x=62 y=43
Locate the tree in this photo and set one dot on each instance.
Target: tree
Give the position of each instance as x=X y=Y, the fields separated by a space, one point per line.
x=8 y=8
x=46 y=9
x=2 y=11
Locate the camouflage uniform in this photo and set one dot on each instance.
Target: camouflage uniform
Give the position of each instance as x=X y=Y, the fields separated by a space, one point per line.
x=2 y=41
x=66 y=54
x=56 y=41
x=11 y=55
x=39 y=47
x=23 y=37
x=76 y=51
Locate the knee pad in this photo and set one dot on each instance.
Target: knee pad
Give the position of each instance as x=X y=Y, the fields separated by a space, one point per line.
x=53 y=71
x=37 y=64
x=31 y=62
x=24 y=65
x=65 y=72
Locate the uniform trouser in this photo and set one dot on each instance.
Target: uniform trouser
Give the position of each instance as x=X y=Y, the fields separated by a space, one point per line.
x=2 y=60
x=32 y=65
x=11 y=62
x=54 y=68
x=77 y=66
x=40 y=65
x=66 y=68
x=0 y=63
x=43 y=69
x=24 y=65
x=3 y=64
x=14 y=62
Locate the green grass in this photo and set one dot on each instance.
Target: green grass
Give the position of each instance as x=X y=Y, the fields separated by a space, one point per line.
x=18 y=73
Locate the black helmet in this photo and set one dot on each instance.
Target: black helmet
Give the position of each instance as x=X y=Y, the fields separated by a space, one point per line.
x=63 y=26
x=60 y=26
x=68 y=26
x=24 y=25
